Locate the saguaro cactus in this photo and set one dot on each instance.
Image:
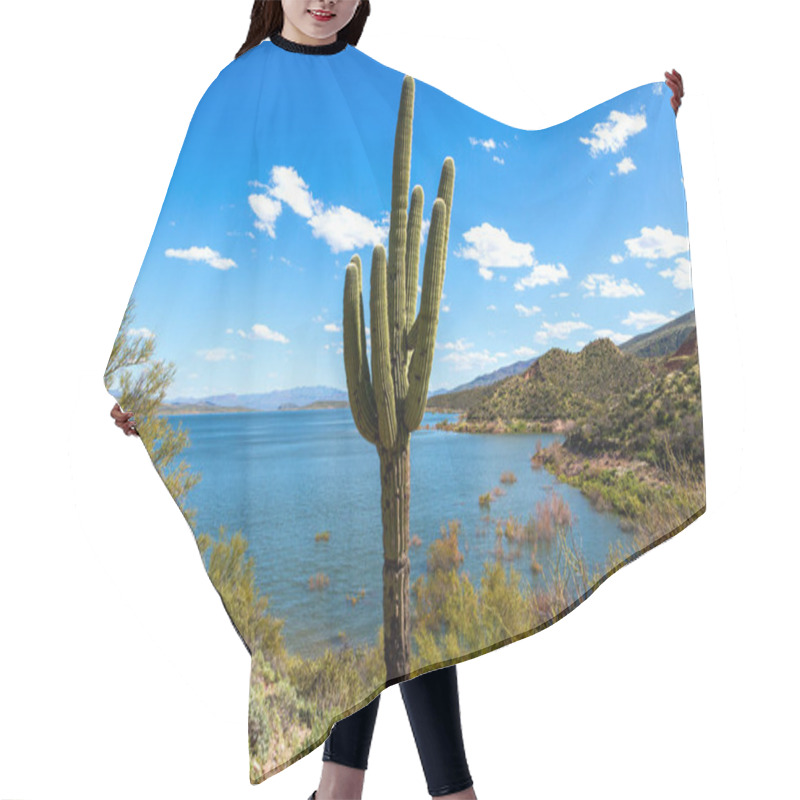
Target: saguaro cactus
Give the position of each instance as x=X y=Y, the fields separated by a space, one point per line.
x=391 y=404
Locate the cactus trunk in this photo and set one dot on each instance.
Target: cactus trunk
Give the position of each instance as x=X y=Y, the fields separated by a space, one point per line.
x=390 y=403
x=395 y=503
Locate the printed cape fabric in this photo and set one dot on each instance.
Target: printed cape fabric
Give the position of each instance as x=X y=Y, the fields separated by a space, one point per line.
x=418 y=380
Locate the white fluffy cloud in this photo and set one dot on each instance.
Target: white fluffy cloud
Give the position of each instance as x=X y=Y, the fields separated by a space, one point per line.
x=612 y=135
x=261 y=331
x=345 y=229
x=617 y=338
x=487 y=144
x=461 y=355
x=681 y=275
x=541 y=275
x=340 y=227
x=288 y=187
x=267 y=212
x=605 y=285
x=625 y=166
x=558 y=330
x=657 y=242
x=645 y=319
x=144 y=332
x=205 y=254
x=460 y=345
x=493 y=248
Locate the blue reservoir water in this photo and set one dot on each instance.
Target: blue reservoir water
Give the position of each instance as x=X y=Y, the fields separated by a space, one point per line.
x=282 y=476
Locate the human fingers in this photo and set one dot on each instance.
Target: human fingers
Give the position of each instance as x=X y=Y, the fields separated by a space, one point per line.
x=120 y=416
x=130 y=429
x=124 y=420
x=128 y=426
x=672 y=82
x=678 y=78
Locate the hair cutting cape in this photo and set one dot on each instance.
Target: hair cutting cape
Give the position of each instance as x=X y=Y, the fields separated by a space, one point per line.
x=419 y=381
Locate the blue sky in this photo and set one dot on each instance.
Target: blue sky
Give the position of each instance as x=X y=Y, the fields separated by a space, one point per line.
x=557 y=237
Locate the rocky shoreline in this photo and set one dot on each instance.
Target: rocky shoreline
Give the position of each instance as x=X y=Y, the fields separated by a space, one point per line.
x=505 y=426
x=562 y=462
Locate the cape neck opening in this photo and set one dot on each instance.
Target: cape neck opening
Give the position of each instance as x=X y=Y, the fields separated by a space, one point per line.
x=310 y=49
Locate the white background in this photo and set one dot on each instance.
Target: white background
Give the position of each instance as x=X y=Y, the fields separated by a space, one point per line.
x=120 y=674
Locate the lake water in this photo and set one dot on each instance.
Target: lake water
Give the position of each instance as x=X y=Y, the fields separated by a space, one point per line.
x=281 y=477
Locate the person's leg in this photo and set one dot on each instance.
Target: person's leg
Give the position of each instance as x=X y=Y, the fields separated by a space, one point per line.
x=431 y=701
x=346 y=753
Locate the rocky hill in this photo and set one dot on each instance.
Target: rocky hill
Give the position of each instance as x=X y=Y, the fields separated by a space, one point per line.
x=563 y=385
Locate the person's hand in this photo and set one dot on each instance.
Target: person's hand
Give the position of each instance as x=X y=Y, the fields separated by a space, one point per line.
x=124 y=420
x=675 y=82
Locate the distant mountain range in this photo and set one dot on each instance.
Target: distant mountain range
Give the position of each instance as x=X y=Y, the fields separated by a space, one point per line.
x=662 y=341
x=558 y=385
x=277 y=400
x=491 y=377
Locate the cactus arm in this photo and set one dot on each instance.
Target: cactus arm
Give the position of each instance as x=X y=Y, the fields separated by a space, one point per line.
x=419 y=369
x=412 y=258
x=381 y=357
x=396 y=278
x=446 y=183
x=359 y=388
x=366 y=380
x=411 y=339
x=364 y=363
x=423 y=331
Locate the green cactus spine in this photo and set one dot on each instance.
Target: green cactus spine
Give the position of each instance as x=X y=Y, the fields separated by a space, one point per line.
x=390 y=404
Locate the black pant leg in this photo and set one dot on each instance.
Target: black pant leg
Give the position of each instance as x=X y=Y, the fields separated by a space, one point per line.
x=431 y=701
x=351 y=737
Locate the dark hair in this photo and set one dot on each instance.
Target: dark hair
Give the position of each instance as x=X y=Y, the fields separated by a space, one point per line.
x=266 y=18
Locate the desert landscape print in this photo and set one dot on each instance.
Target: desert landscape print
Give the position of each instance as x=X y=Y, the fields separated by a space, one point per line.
x=418 y=403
